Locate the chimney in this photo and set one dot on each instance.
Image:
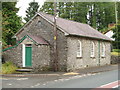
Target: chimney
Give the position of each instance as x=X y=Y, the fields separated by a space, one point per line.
x=111 y=25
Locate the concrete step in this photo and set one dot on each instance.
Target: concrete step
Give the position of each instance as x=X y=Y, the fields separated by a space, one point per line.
x=24 y=70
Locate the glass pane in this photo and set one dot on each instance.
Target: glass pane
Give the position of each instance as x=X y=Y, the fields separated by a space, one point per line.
x=28 y=45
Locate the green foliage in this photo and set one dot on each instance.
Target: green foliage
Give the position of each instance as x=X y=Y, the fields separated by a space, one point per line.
x=32 y=9
x=47 y=8
x=96 y=14
x=8 y=68
x=116 y=35
x=10 y=22
x=116 y=30
x=118 y=9
x=116 y=50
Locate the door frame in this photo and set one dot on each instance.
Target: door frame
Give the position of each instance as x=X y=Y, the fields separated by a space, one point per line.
x=24 y=56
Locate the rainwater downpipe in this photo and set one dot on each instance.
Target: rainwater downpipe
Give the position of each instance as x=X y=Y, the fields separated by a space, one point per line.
x=98 y=53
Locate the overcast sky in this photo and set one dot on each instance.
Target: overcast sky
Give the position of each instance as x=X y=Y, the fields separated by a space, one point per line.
x=24 y=4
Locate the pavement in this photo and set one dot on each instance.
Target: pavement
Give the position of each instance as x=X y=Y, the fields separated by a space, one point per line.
x=99 y=69
x=76 y=72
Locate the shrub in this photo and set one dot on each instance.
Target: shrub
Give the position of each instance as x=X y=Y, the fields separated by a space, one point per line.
x=116 y=50
x=8 y=68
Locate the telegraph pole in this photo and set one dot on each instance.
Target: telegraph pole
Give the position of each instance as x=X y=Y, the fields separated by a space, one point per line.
x=55 y=38
x=116 y=13
x=116 y=17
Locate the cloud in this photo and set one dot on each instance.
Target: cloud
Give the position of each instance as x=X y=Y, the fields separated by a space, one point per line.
x=24 y=4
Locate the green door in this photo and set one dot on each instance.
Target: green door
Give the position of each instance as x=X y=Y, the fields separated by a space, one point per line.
x=28 y=56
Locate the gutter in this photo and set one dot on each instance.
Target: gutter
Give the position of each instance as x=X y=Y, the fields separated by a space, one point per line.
x=90 y=37
x=14 y=45
x=19 y=43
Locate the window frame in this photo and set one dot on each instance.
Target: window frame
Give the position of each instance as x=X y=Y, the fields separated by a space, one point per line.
x=79 y=48
x=92 y=49
x=103 y=50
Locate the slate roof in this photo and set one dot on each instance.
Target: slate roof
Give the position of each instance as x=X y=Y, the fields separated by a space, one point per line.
x=76 y=28
x=38 y=39
x=70 y=27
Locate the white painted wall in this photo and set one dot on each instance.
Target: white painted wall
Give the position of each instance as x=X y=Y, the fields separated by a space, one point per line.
x=110 y=34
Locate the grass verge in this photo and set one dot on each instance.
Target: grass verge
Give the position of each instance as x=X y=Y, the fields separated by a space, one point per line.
x=115 y=53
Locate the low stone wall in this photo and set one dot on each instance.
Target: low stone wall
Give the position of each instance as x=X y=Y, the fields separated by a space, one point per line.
x=14 y=55
x=115 y=59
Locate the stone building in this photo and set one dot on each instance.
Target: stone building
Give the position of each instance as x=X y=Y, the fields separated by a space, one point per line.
x=78 y=45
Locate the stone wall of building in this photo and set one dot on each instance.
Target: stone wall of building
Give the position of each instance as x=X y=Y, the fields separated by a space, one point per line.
x=40 y=58
x=40 y=55
x=14 y=55
x=74 y=62
x=41 y=27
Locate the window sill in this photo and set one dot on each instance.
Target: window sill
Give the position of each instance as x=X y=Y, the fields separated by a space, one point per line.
x=92 y=57
x=78 y=57
x=102 y=56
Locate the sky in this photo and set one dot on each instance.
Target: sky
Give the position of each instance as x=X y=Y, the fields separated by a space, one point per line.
x=24 y=4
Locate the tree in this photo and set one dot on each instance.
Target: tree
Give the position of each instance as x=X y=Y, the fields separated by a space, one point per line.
x=48 y=8
x=116 y=43
x=31 y=10
x=10 y=22
x=116 y=31
x=118 y=9
x=96 y=14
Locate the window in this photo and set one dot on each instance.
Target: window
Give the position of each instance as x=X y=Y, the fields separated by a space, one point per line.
x=79 y=49
x=39 y=23
x=103 y=50
x=92 y=53
x=28 y=45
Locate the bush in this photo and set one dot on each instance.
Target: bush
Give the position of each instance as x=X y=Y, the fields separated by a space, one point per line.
x=116 y=50
x=8 y=68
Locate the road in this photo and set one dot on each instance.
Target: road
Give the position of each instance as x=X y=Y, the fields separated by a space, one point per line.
x=92 y=81
x=79 y=81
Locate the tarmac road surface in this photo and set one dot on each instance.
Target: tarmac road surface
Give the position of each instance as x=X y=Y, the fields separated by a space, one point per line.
x=95 y=80
x=107 y=79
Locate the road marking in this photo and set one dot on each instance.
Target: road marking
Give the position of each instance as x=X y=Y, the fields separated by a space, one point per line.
x=10 y=84
x=14 y=78
x=71 y=73
x=116 y=86
x=111 y=85
x=22 y=79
